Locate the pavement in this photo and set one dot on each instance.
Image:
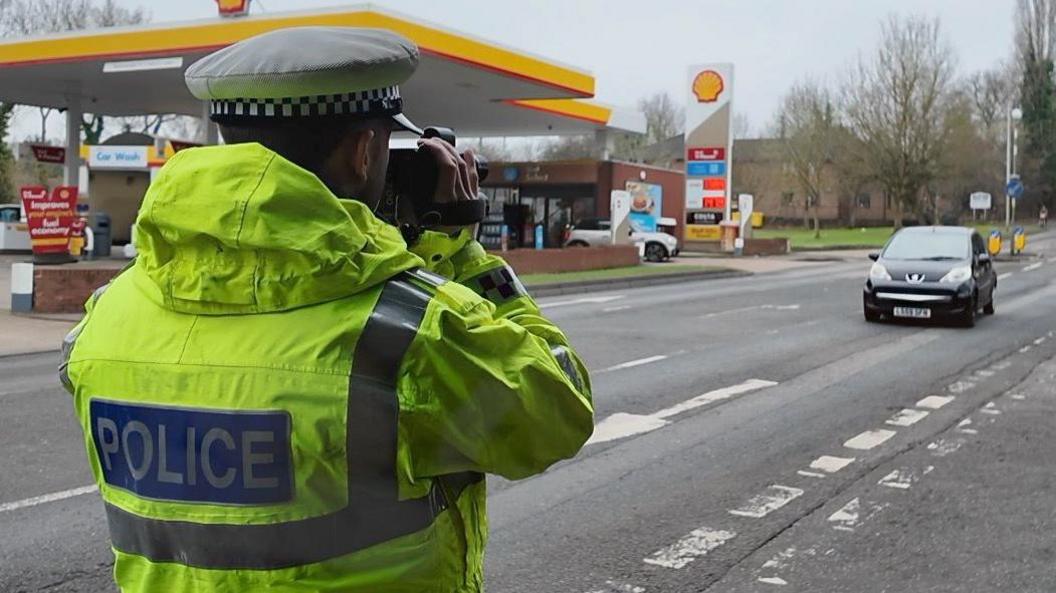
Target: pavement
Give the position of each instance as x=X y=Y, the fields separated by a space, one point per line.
x=753 y=434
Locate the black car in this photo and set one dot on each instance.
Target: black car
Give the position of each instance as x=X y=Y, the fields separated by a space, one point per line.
x=931 y=272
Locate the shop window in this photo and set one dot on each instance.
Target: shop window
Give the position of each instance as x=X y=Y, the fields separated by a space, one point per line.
x=864 y=201
x=788 y=198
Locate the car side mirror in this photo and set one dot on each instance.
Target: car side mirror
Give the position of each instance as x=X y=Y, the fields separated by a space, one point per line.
x=874 y=256
x=984 y=258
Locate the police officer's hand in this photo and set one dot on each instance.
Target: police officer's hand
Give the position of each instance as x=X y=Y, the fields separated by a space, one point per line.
x=457 y=177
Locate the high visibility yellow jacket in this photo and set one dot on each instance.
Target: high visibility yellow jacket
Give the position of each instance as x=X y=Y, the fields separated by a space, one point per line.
x=278 y=395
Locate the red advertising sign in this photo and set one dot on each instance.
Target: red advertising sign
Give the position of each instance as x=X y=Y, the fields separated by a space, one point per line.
x=49 y=154
x=718 y=183
x=50 y=218
x=713 y=153
x=715 y=203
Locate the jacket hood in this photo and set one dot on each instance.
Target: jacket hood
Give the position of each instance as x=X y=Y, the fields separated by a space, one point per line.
x=239 y=229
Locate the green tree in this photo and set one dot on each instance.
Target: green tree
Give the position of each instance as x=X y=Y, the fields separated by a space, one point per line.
x=1035 y=20
x=7 y=185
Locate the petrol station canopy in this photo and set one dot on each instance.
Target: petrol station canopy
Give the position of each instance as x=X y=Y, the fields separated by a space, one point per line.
x=477 y=87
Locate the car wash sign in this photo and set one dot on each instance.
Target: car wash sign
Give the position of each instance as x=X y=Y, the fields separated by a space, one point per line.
x=50 y=218
x=708 y=146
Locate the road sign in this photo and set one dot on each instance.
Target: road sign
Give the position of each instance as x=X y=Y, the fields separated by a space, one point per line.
x=1015 y=188
x=980 y=200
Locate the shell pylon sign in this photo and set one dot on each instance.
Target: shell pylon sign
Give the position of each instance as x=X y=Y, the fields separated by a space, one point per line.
x=709 y=150
x=233 y=7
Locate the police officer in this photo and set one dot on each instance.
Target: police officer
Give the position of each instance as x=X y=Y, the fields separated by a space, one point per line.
x=280 y=394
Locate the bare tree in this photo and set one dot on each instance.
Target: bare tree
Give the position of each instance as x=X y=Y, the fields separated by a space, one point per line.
x=742 y=126
x=663 y=117
x=896 y=102
x=990 y=93
x=810 y=134
x=566 y=148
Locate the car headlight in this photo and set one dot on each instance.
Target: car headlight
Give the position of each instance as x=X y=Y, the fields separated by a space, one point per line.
x=878 y=272
x=958 y=275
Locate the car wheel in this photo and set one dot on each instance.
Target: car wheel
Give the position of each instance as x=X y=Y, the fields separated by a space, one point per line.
x=578 y=244
x=967 y=319
x=989 y=308
x=655 y=252
x=871 y=316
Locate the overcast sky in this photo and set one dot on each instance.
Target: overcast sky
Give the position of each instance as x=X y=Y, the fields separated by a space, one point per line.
x=636 y=48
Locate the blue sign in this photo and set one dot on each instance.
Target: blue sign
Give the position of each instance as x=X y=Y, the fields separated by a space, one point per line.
x=194 y=455
x=538 y=236
x=706 y=168
x=1015 y=188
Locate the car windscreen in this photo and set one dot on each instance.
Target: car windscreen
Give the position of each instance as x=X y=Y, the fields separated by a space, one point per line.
x=937 y=246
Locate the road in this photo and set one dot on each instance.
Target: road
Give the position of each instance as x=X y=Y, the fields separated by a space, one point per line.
x=754 y=434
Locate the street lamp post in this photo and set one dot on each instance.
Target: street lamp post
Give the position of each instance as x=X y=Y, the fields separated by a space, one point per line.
x=1014 y=113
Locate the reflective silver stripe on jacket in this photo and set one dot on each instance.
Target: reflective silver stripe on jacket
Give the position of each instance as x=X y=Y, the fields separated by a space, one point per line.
x=373 y=514
x=70 y=341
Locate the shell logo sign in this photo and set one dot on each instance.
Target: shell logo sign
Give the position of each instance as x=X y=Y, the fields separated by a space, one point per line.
x=707 y=86
x=233 y=7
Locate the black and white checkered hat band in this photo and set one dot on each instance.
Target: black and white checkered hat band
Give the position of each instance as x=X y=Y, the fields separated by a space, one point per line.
x=385 y=101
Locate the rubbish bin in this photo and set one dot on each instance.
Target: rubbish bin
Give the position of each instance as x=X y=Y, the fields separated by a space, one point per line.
x=100 y=223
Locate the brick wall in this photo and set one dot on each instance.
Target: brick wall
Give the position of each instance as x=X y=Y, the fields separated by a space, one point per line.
x=545 y=261
x=58 y=290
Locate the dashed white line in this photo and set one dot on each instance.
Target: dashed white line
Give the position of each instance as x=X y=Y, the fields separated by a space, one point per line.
x=902 y=479
x=614 y=587
x=1018 y=396
x=934 y=402
x=963 y=426
x=852 y=514
x=633 y=363
x=714 y=396
x=1033 y=267
x=621 y=425
x=45 y=498
x=773 y=580
x=1025 y=349
x=1000 y=366
x=984 y=373
x=830 y=464
x=960 y=386
x=810 y=474
x=1003 y=276
x=1040 y=341
x=582 y=301
x=907 y=417
x=943 y=447
x=761 y=505
x=869 y=439
x=614 y=309
x=695 y=544
x=990 y=408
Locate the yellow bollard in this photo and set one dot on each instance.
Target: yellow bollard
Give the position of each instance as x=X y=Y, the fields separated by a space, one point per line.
x=994 y=244
x=1019 y=240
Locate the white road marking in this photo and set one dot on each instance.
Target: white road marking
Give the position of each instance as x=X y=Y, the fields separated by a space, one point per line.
x=762 y=505
x=830 y=464
x=907 y=417
x=851 y=515
x=1040 y=341
x=582 y=301
x=714 y=396
x=632 y=363
x=990 y=408
x=614 y=587
x=793 y=307
x=621 y=425
x=614 y=309
x=902 y=479
x=1000 y=366
x=934 y=402
x=963 y=426
x=984 y=373
x=943 y=447
x=810 y=474
x=960 y=386
x=773 y=580
x=1025 y=349
x=1003 y=276
x=695 y=544
x=869 y=439
x=1033 y=267
x=1018 y=396
x=45 y=498
x=781 y=559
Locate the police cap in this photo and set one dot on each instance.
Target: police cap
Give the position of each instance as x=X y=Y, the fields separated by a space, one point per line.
x=307 y=72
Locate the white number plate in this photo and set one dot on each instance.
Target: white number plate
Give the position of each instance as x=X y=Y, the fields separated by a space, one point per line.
x=914 y=312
